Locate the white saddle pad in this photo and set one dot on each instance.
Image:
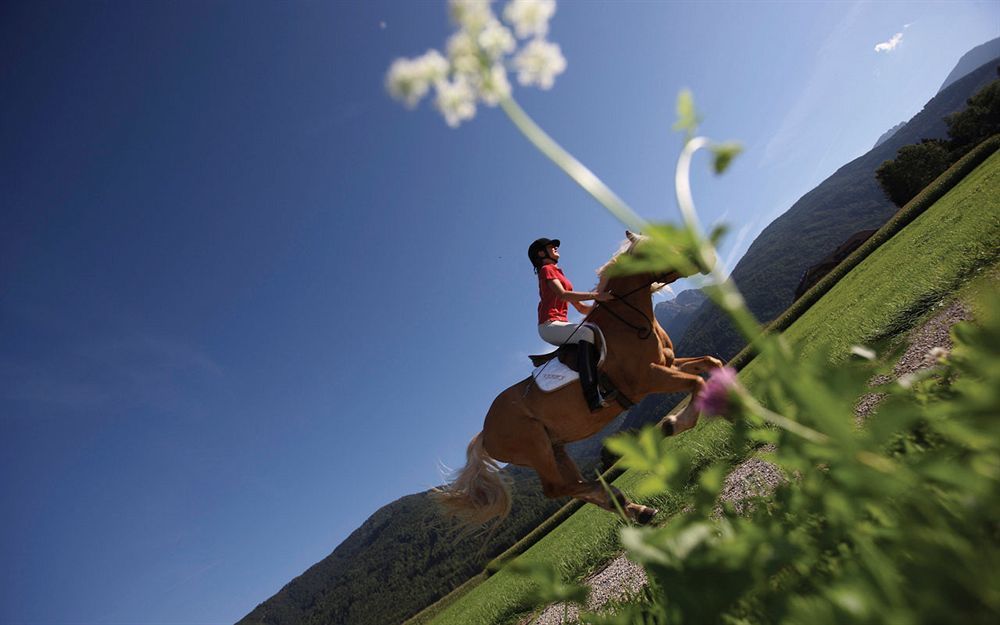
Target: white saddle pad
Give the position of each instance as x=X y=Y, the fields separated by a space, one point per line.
x=554 y=375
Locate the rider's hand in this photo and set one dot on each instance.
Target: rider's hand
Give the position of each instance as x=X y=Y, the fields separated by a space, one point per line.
x=603 y=296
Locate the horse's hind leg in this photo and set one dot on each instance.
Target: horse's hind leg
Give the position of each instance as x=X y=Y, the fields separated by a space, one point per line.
x=595 y=493
x=559 y=474
x=560 y=477
x=535 y=450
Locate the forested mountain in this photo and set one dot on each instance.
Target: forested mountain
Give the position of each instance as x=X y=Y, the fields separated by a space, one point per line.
x=676 y=314
x=848 y=201
x=405 y=556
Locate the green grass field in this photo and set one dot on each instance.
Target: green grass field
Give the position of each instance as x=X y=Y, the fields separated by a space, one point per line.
x=888 y=293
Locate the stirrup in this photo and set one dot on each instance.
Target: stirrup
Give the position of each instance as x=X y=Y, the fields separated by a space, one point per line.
x=597 y=402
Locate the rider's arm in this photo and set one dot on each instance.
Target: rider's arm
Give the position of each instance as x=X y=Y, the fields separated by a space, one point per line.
x=569 y=296
x=578 y=296
x=583 y=308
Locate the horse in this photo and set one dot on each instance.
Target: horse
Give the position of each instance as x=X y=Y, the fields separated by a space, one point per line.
x=530 y=428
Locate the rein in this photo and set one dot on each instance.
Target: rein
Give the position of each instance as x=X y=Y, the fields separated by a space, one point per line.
x=643 y=332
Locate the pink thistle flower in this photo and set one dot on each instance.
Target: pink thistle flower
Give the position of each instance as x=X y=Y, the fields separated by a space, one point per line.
x=716 y=399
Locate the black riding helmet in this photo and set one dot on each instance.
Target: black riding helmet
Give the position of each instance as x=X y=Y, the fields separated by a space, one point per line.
x=540 y=245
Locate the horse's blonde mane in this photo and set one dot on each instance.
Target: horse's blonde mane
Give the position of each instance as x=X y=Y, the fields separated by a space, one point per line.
x=626 y=246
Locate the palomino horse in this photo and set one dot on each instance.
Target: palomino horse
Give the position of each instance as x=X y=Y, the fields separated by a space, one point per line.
x=528 y=427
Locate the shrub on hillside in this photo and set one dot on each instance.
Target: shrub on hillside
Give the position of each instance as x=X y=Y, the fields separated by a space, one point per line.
x=978 y=120
x=916 y=207
x=914 y=167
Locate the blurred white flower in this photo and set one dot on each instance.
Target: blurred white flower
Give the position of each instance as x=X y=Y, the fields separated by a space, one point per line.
x=496 y=40
x=530 y=17
x=478 y=56
x=863 y=352
x=539 y=63
x=471 y=15
x=936 y=356
x=409 y=80
x=463 y=53
x=456 y=100
x=433 y=65
x=496 y=86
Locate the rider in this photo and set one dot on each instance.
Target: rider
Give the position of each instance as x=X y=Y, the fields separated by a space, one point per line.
x=556 y=292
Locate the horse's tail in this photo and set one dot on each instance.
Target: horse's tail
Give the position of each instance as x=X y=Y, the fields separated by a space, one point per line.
x=478 y=493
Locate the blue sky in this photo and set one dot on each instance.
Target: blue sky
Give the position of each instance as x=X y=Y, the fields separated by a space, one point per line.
x=246 y=299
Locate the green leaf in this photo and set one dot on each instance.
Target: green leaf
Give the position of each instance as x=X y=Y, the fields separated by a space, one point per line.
x=639 y=544
x=712 y=479
x=718 y=231
x=666 y=248
x=687 y=116
x=634 y=451
x=723 y=154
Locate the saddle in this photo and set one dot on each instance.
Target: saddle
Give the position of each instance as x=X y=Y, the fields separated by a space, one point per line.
x=560 y=367
x=567 y=355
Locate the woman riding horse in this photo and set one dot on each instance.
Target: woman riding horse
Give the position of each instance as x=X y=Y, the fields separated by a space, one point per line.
x=555 y=292
x=529 y=427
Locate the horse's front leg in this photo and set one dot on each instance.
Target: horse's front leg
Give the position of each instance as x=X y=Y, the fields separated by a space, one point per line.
x=674 y=380
x=698 y=365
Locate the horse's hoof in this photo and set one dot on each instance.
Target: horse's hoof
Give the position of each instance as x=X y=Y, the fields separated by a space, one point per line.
x=645 y=516
x=667 y=427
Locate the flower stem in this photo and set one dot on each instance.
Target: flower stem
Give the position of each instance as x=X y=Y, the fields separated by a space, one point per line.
x=725 y=294
x=785 y=423
x=573 y=168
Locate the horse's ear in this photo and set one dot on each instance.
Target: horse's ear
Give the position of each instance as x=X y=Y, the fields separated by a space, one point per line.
x=631 y=236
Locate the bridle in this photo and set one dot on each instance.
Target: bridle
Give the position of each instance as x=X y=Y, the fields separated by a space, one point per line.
x=642 y=332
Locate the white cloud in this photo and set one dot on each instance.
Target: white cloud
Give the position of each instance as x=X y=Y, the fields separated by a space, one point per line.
x=889 y=46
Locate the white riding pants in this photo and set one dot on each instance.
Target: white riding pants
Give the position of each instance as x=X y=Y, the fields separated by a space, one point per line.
x=562 y=332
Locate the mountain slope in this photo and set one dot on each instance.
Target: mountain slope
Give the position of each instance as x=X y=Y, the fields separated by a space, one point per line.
x=971 y=60
x=888 y=134
x=404 y=557
x=846 y=202
x=676 y=314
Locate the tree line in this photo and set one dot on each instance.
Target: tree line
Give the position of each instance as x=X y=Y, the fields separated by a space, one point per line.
x=917 y=165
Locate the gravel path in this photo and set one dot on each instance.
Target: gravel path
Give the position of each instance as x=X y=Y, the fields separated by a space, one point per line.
x=926 y=342
x=751 y=478
x=622 y=578
x=618 y=580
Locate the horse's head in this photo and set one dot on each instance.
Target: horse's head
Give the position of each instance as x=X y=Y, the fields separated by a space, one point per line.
x=629 y=282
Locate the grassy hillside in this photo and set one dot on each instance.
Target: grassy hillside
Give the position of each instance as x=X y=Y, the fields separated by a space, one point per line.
x=882 y=297
x=846 y=202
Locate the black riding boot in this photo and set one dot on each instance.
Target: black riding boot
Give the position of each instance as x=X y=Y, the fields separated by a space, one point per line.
x=587 y=364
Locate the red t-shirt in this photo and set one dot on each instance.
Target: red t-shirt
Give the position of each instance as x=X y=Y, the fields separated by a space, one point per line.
x=551 y=308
